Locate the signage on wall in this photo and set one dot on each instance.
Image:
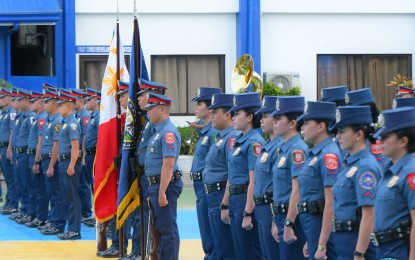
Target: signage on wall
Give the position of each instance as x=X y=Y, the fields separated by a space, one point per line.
x=98 y=49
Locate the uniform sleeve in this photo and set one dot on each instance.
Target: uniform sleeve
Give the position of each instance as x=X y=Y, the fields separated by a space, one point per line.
x=170 y=144
x=409 y=190
x=297 y=160
x=74 y=131
x=366 y=182
x=329 y=169
x=254 y=150
x=12 y=118
x=85 y=123
x=56 y=126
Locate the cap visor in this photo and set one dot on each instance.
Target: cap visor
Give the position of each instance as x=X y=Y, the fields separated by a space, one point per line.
x=142 y=91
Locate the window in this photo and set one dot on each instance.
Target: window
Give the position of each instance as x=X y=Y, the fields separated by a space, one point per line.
x=184 y=74
x=92 y=69
x=363 y=71
x=33 y=51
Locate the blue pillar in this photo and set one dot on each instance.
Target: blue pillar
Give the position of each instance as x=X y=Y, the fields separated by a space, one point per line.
x=69 y=75
x=3 y=49
x=248 y=31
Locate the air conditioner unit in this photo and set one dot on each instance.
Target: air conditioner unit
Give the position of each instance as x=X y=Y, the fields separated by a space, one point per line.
x=283 y=80
x=26 y=39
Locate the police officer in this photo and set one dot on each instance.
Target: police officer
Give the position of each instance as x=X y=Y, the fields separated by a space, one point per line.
x=263 y=180
x=7 y=117
x=215 y=174
x=334 y=94
x=395 y=198
x=241 y=164
x=163 y=175
x=49 y=164
x=22 y=158
x=316 y=179
x=290 y=159
x=405 y=92
x=89 y=147
x=69 y=166
x=39 y=195
x=203 y=99
x=355 y=188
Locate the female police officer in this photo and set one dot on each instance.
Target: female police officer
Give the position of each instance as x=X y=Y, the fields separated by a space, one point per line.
x=355 y=187
x=395 y=199
x=316 y=178
x=241 y=163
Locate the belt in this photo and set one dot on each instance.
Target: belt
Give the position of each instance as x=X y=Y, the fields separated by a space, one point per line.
x=237 y=189
x=344 y=225
x=313 y=207
x=46 y=156
x=402 y=232
x=196 y=176
x=4 y=144
x=215 y=187
x=31 y=151
x=90 y=150
x=279 y=208
x=261 y=200
x=20 y=150
x=65 y=156
x=13 y=149
x=156 y=179
x=140 y=170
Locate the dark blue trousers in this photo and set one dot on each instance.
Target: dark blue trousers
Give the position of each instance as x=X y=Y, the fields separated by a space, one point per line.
x=246 y=242
x=136 y=218
x=393 y=250
x=203 y=220
x=7 y=169
x=39 y=193
x=311 y=224
x=56 y=216
x=270 y=248
x=27 y=187
x=115 y=235
x=19 y=184
x=221 y=232
x=166 y=219
x=295 y=250
x=70 y=193
x=345 y=244
x=85 y=186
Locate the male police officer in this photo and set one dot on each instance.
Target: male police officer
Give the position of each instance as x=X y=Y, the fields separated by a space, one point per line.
x=163 y=175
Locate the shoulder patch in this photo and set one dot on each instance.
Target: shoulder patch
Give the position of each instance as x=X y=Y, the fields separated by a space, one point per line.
x=411 y=180
x=41 y=123
x=256 y=148
x=74 y=126
x=12 y=116
x=231 y=143
x=57 y=127
x=169 y=138
x=86 y=121
x=376 y=148
x=331 y=161
x=298 y=156
x=367 y=180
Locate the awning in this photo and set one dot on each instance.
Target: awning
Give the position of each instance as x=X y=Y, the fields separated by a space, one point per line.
x=29 y=11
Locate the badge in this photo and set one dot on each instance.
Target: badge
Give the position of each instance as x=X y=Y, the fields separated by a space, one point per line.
x=12 y=116
x=151 y=149
x=74 y=127
x=142 y=139
x=205 y=139
x=17 y=122
x=79 y=120
x=367 y=180
x=156 y=137
x=331 y=161
x=281 y=162
x=92 y=120
x=298 y=156
x=63 y=127
x=376 y=148
x=49 y=125
x=411 y=180
x=236 y=151
x=351 y=172
x=169 y=138
x=46 y=137
x=86 y=120
x=146 y=125
x=231 y=142
x=1 y=116
x=57 y=127
x=392 y=181
x=256 y=148
x=5 y=117
x=313 y=161
x=219 y=142
x=264 y=157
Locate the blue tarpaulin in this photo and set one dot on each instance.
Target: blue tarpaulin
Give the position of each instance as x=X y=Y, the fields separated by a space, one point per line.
x=29 y=11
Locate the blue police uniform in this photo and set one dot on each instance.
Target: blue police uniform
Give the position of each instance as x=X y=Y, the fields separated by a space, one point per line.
x=395 y=196
x=319 y=171
x=287 y=161
x=201 y=150
x=164 y=143
x=7 y=118
x=17 y=178
x=241 y=161
x=40 y=192
x=355 y=187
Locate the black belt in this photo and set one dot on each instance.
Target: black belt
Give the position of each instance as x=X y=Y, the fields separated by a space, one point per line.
x=312 y=207
x=65 y=156
x=196 y=176
x=46 y=156
x=344 y=225
x=215 y=187
x=279 y=208
x=90 y=150
x=237 y=189
x=31 y=151
x=20 y=150
x=140 y=171
x=156 y=179
x=261 y=200
x=4 y=144
x=402 y=232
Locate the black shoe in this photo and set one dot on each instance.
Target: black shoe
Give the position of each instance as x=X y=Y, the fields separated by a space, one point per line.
x=51 y=231
x=17 y=215
x=9 y=211
x=90 y=223
x=46 y=226
x=24 y=220
x=70 y=235
x=3 y=209
x=35 y=223
x=111 y=252
x=134 y=256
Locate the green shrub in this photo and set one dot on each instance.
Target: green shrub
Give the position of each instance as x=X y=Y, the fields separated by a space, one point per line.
x=189 y=140
x=270 y=89
x=5 y=84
